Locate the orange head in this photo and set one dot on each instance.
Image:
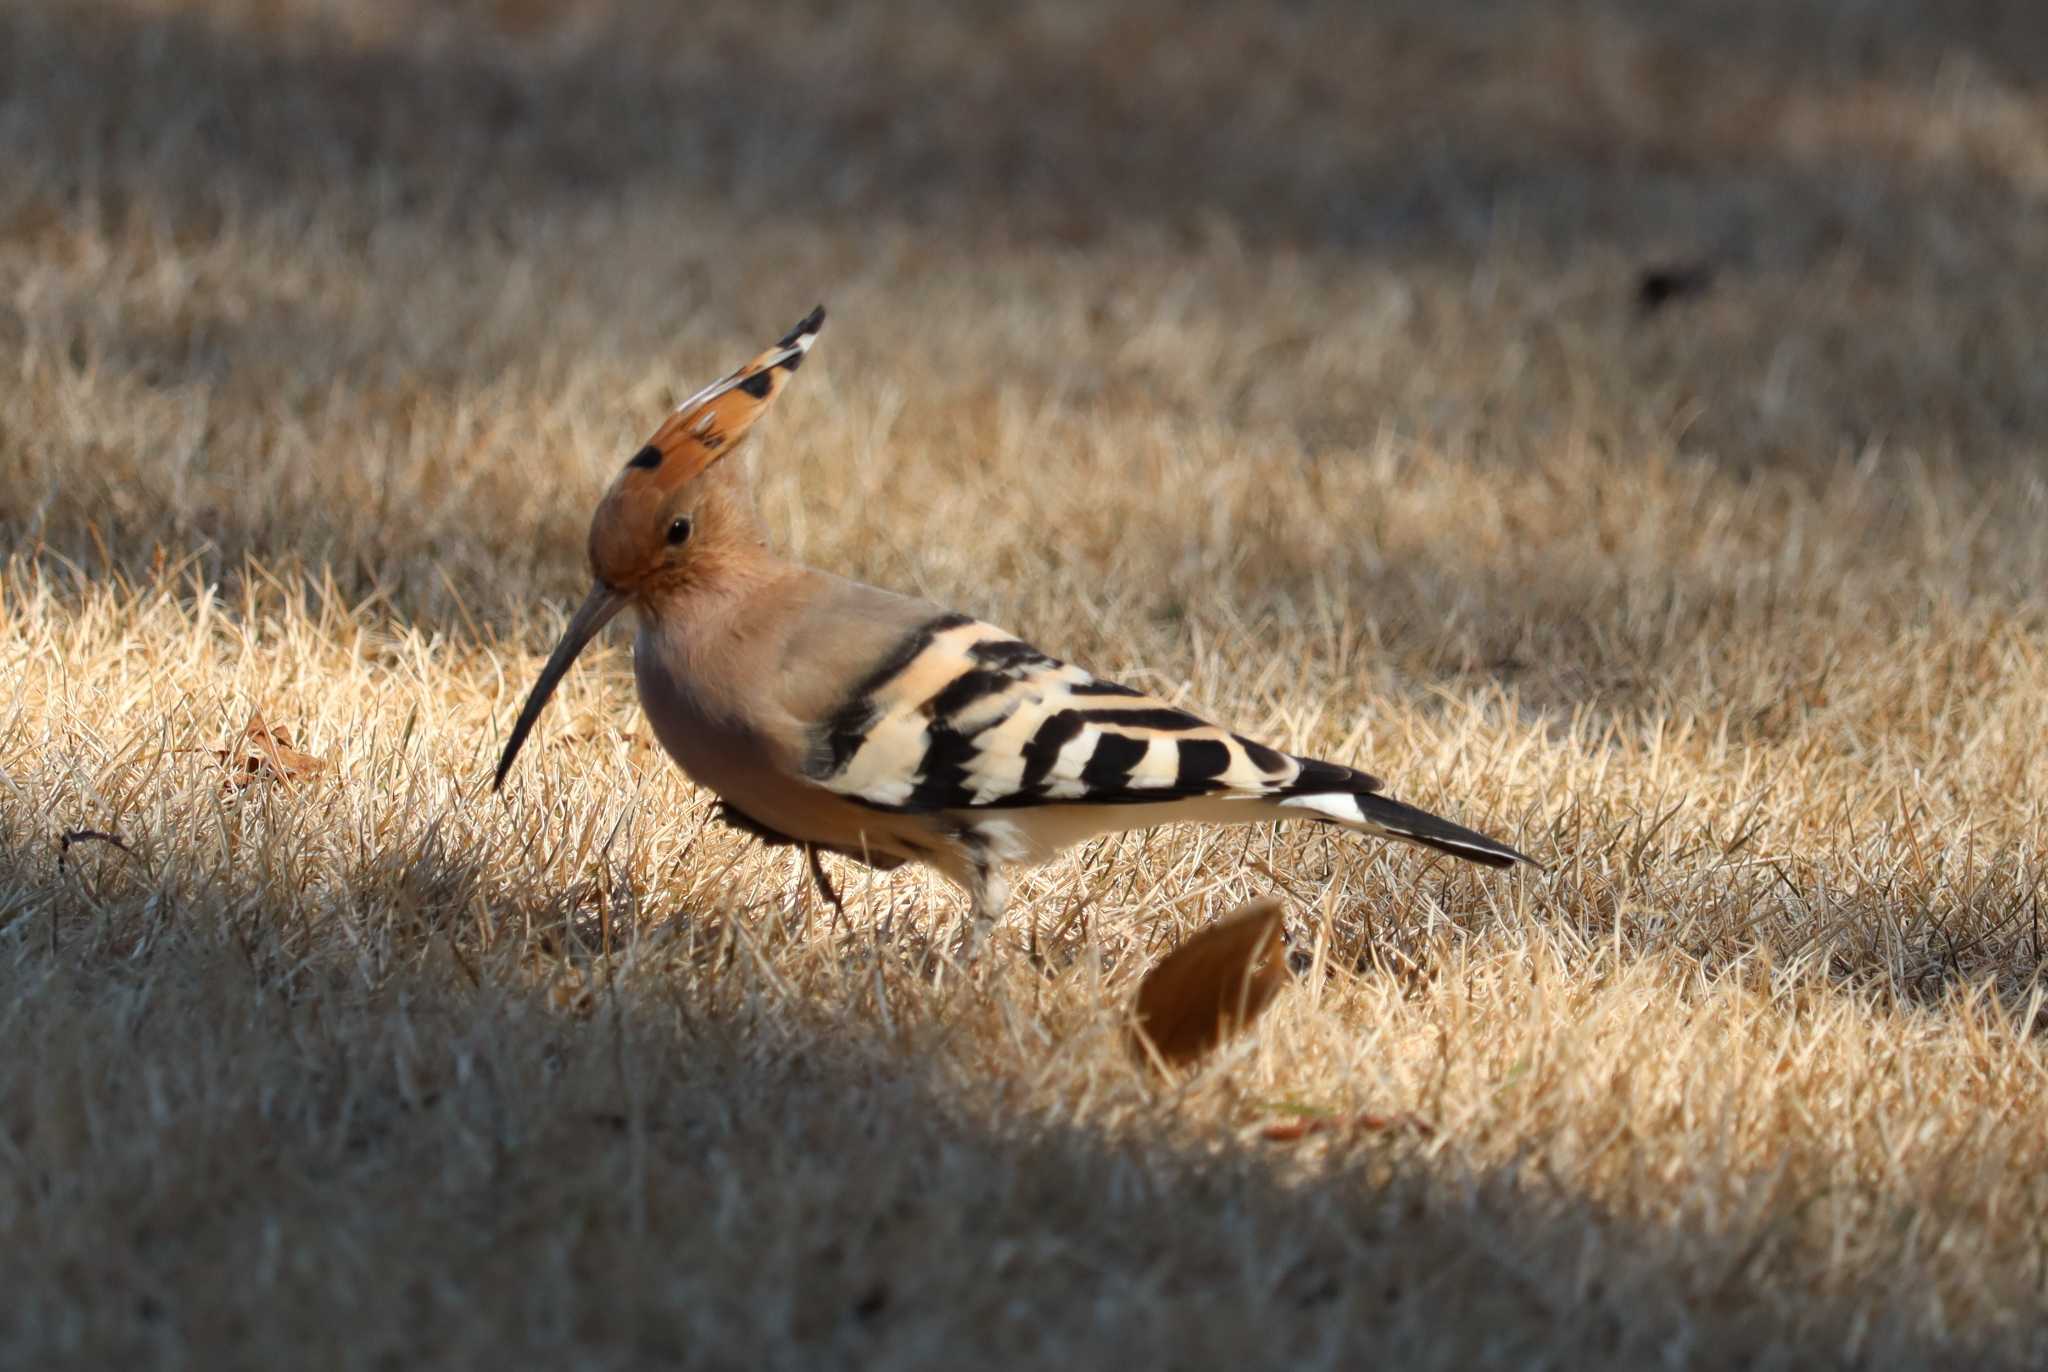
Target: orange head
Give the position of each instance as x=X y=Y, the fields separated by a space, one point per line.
x=663 y=512
x=667 y=515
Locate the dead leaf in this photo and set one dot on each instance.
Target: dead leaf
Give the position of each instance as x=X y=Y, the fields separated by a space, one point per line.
x=571 y=994
x=595 y=729
x=1213 y=985
x=1293 y=1131
x=1660 y=285
x=265 y=752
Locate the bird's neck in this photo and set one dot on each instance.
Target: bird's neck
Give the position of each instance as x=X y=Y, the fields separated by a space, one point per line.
x=701 y=636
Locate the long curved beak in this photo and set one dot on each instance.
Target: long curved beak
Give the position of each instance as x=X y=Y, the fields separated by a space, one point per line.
x=598 y=609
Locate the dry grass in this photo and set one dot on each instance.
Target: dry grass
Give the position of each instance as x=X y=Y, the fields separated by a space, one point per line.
x=1290 y=360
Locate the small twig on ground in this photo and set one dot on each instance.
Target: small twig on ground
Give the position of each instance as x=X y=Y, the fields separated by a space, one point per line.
x=71 y=836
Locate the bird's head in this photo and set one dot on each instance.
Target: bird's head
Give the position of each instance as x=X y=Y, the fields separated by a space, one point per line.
x=667 y=517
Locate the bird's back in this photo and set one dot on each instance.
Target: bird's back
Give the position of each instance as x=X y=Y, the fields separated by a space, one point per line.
x=939 y=714
x=940 y=711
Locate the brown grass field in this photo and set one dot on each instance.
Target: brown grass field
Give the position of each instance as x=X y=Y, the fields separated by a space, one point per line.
x=1291 y=359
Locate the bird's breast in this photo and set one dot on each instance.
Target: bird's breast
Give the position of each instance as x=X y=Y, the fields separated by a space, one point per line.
x=720 y=729
x=704 y=724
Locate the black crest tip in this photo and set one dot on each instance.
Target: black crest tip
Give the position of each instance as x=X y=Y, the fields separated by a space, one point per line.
x=809 y=324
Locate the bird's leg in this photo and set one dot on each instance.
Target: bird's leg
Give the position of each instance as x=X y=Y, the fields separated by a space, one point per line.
x=824 y=885
x=974 y=867
x=988 y=892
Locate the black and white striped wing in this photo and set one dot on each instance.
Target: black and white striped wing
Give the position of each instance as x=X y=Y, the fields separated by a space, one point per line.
x=961 y=716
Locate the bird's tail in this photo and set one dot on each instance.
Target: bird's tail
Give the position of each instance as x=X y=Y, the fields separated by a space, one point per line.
x=1371 y=813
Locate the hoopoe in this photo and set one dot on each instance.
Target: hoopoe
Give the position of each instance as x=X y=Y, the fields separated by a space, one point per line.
x=885 y=729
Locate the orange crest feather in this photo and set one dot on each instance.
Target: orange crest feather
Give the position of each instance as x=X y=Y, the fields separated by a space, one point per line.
x=711 y=423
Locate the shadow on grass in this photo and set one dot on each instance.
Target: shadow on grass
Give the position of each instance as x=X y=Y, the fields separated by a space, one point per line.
x=1136 y=116
x=220 y=1148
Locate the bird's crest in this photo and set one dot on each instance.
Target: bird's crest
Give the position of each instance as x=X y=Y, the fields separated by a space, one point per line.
x=711 y=423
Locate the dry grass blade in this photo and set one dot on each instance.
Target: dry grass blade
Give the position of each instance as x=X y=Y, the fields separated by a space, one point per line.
x=1213 y=986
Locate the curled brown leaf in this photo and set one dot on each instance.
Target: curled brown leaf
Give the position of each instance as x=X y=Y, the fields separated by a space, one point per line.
x=1212 y=986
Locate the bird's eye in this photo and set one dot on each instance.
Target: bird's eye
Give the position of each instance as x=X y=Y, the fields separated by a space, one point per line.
x=678 y=531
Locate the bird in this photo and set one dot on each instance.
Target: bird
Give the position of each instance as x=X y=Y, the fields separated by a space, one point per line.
x=885 y=729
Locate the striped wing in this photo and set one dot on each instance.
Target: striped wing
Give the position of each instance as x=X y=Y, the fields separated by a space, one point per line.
x=962 y=716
